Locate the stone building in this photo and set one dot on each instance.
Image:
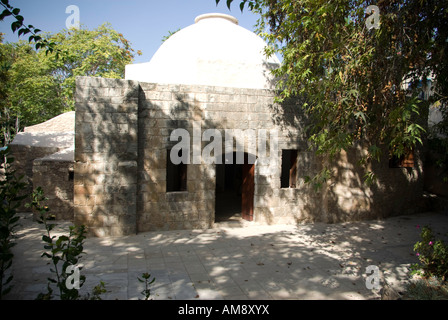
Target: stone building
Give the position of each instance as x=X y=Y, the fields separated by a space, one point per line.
x=44 y=155
x=213 y=77
x=110 y=164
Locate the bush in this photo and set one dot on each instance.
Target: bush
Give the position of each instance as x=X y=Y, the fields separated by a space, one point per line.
x=64 y=252
x=11 y=187
x=432 y=255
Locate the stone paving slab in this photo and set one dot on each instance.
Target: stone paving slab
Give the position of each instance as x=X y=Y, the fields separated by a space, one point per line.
x=313 y=261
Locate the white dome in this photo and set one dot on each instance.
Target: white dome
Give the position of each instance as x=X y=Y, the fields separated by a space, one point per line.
x=214 y=51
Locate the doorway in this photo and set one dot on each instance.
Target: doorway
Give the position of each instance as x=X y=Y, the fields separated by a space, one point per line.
x=234 y=194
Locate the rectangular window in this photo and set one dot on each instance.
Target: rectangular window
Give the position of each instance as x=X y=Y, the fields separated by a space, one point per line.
x=289 y=169
x=71 y=175
x=405 y=161
x=176 y=175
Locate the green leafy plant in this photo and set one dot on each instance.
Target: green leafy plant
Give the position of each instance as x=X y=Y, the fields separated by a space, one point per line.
x=49 y=89
x=432 y=254
x=10 y=199
x=146 y=279
x=170 y=33
x=97 y=291
x=361 y=86
x=63 y=251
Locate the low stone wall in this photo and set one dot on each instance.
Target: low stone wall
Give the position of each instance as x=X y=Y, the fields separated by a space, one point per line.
x=31 y=145
x=24 y=156
x=56 y=180
x=395 y=191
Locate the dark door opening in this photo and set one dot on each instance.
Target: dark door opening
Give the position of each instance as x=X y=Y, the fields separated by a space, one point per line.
x=234 y=191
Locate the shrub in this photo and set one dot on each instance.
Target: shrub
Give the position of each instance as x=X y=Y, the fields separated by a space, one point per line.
x=148 y=282
x=432 y=255
x=11 y=198
x=64 y=251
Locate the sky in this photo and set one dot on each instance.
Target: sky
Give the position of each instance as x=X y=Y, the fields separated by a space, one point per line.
x=143 y=22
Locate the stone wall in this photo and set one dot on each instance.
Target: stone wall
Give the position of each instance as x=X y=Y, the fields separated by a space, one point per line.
x=56 y=180
x=396 y=190
x=122 y=140
x=105 y=182
x=164 y=108
x=24 y=156
x=49 y=140
x=434 y=175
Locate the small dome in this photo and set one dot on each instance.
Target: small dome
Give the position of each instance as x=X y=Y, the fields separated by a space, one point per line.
x=214 y=51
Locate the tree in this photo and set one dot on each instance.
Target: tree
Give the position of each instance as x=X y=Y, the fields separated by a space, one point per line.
x=41 y=84
x=4 y=75
x=30 y=91
x=102 y=52
x=361 y=85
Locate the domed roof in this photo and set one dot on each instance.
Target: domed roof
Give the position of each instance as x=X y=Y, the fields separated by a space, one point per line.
x=214 y=51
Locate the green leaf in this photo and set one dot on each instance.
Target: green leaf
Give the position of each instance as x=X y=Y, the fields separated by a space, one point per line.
x=63 y=238
x=361 y=115
x=15 y=25
x=5 y=14
x=23 y=31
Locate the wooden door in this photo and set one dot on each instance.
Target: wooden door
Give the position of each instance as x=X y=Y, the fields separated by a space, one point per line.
x=248 y=188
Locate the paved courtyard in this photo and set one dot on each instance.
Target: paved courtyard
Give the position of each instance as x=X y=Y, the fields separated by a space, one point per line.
x=313 y=261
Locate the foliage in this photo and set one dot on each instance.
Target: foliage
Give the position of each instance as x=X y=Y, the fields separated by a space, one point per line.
x=97 y=291
x=146 y=278
x=41 y=85
x=318 y=180
x=5 y=123
x=361 y=85
x=433 y=256
x=64 y=249
x=22 y=29
x=102 y=52
x=10 y=200
x=31 y=94
x=170 y=33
